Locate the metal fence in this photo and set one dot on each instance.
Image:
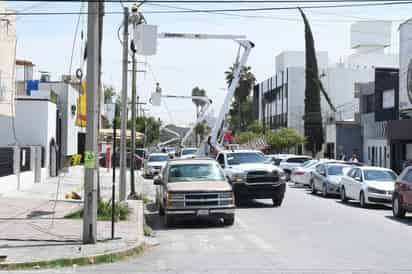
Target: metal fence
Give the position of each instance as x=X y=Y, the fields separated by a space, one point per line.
x=6 y=161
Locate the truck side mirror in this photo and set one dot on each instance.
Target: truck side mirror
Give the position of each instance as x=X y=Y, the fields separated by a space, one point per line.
x=157 y=181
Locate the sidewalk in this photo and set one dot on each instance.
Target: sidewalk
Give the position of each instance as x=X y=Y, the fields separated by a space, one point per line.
x=32 y=227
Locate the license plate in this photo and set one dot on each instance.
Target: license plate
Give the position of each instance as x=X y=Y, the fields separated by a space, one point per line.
x=203 y=212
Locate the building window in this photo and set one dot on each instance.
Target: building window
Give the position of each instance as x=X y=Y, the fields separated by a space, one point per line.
x=369 y=103
x=388 y=98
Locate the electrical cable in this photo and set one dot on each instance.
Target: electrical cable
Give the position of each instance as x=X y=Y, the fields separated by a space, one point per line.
x=215 y=1
x=75 y=38
x=375 y=4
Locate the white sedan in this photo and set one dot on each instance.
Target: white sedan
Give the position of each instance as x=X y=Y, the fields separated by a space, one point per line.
x=303 y=175
x=369 y=185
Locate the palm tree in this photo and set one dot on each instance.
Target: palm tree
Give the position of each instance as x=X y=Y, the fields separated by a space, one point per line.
x=246 y=82
x=196 y=91
x=242 y=93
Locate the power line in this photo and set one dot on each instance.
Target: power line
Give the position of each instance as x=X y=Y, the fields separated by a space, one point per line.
x=375 y=4
x=219 y=2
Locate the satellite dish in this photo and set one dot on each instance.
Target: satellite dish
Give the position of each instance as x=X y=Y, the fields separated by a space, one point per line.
x=409 y=81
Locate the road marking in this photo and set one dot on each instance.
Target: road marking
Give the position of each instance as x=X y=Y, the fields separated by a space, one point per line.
x=233 y=244
x=259 y=242
x=176 y=243
x=240 y=223
x=205 y=243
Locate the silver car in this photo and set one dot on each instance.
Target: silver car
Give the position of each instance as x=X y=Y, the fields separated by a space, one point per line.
x=327 y=177
x=154 y=164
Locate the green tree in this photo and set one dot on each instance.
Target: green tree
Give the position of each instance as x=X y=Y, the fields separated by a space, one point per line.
x=108 y=94
x=241 y=114
x=284 y=139
x=201 y=130
x=256 y=127
x=245 y=137
x=313 y=116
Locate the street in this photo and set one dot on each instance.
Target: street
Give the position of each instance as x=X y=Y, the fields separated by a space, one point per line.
x=306 y=234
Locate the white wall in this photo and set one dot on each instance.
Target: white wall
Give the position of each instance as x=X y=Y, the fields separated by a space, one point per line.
x=288 y=59
x=68 y=96
x=7 y=62
x=371 y=34
x=296 y=93
x=72 y=129
x=405 y=57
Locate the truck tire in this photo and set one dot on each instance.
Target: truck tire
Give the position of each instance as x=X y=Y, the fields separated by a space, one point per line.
x=168 y=220
x=279 y=195
x=229 y=219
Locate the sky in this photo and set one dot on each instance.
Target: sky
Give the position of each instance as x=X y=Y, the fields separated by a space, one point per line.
x=180 y=65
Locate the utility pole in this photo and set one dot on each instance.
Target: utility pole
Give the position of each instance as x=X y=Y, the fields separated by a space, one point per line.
x=133 y=129
x=90 y=180
x=123 y=115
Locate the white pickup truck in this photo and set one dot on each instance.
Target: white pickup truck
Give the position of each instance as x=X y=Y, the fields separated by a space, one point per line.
x=251 y=176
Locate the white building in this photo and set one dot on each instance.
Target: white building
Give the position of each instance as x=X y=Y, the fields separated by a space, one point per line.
x=7 y=63
x=279 y=100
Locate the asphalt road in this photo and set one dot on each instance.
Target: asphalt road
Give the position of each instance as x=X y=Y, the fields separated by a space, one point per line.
x=307 y=234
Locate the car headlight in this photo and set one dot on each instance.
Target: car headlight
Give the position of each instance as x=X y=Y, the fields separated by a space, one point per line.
x=375 y=190
x=238 y=177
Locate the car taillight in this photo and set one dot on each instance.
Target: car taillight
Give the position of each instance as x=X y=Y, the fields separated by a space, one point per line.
x=298 y=173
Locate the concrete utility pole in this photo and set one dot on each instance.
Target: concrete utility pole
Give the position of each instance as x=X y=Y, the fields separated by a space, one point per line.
x=90 y=180
x=133 y=129
x=123 y=111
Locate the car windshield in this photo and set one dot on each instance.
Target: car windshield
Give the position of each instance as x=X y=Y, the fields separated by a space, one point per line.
x=245 y=158
x=309 y=163
x=379 y=175
x=158 y=158
x=189 y=151
x=337 y=170
x=195 y=172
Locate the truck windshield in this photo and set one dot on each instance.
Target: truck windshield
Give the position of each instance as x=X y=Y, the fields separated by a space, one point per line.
x=188 y=151
x=245 y=158
x=195 y=172
x=158 y=158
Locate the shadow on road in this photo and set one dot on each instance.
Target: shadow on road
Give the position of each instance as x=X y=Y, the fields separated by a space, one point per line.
x=369 y=207
x=407 y=220
x=253 y=204
x=156 y=222
x=298 y=186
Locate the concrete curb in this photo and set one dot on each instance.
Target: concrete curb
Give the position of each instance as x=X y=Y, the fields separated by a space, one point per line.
x=87 y=260
x=98 y=258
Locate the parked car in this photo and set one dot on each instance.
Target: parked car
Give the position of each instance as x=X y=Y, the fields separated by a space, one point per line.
x=141 y=154
x=252 y=177
x=288 y=163
x=116 y=160
x=154 y=163
x=194 y=188
x=327 y=176
x=303 y=175
x=369 y=185
x=275 y=159
x=402 y=195
x=188 y=152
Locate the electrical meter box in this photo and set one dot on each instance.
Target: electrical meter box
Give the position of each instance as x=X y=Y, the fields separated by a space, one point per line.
x=145 y=39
